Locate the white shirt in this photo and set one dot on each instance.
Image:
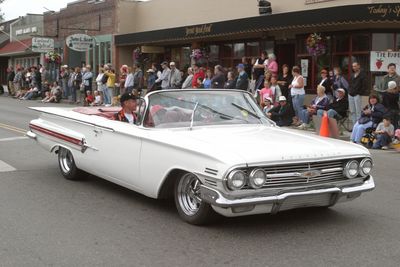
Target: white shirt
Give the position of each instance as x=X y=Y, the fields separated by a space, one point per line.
x=129 y=80
x=296 y=90
x=129 y=117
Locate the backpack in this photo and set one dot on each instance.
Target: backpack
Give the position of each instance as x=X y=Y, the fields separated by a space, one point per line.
x=104 y=79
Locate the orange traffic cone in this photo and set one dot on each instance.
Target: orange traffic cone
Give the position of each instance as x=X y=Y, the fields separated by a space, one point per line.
x=324 y=130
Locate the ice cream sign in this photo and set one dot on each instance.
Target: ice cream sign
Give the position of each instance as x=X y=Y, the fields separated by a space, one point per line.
x=79 y=42
x=381 y=59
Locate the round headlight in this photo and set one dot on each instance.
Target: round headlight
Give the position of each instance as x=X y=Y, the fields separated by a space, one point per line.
x=351 y=169
x=366 y=167
x=236 y=180
x=257 y=178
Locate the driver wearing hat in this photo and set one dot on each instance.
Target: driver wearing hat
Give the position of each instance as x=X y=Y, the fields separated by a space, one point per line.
x=127 y=113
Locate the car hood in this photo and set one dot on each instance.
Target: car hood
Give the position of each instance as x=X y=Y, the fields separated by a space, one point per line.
x=260 y=144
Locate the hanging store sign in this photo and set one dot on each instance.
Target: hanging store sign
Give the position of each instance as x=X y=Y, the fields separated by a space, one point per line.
x=381 y=59
x=79 y=42
x=42 y=45
x=199 y=30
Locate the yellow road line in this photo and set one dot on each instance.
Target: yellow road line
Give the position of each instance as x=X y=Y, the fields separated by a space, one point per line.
x=12 y=128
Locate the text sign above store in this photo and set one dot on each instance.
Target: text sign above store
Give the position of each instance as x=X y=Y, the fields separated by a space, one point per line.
x=42 y=45
x=199 y=30
x=381 y=59
x=79 y=42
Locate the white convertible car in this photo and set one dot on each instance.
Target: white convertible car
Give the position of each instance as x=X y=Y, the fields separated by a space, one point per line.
x=210 y=150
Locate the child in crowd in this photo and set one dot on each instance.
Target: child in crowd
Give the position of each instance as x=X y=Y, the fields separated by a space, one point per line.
x=89 y=99
x=384 y=134
x=267 y=105
x=200 y=83
x=97 y=99
x=266 y=92
x=276 y=90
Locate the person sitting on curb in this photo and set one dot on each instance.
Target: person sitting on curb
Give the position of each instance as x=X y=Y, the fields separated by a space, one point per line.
x=281 y=114
x=320 y=102
x=338 y=108
x=127 y=112
x=384 y=134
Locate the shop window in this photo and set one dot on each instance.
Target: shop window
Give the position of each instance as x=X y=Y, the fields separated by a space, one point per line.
x=382 y=41
x=213 y=57
x=342 y=43
x=301 y=45
x=398 y=42
x=252 y=49
x=238 y=50
x=361 y=42
x=186 y=52
x=268 y=46
x=226 y=50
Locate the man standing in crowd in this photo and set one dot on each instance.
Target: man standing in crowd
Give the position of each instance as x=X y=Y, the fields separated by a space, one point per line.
x=10 y=80
x=137 y=78
x=218 y=81
x=198 y=73
x=17 y=82
x=189 y=79
x=259 y=69
x=87 y=78
x=357 y=86
x=174 y=76
x=164 y=78
x=390 y=76
x=242 y=81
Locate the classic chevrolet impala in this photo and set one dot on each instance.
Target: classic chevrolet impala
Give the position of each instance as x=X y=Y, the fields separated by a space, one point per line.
x=210 y=150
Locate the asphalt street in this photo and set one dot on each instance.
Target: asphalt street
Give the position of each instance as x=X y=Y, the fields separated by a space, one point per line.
x=46 y=220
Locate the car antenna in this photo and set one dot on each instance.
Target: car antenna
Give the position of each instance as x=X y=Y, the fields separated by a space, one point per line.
x=192 y=119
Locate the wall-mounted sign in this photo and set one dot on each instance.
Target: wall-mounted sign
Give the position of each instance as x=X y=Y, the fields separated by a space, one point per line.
x=384 y=11
x=79 y=42
x=199 y=30
x=304 y=68
x=42 y=45
x=381 y=59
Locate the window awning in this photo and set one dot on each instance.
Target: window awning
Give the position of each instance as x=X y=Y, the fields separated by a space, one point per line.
x=365 y=14
x=16 y=48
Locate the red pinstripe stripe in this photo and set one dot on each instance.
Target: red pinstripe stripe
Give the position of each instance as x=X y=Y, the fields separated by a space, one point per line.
x=69 y=139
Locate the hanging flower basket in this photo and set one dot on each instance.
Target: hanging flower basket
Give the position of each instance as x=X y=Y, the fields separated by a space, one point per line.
x=197 y=54
x=52 y=57
x=316 y=44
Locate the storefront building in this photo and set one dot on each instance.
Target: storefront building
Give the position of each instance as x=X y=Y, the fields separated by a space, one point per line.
x=92 y=18
x=18 y=48
x=351 y=32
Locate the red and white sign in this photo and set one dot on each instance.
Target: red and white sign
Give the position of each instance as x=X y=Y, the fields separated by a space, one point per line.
x=381 y=59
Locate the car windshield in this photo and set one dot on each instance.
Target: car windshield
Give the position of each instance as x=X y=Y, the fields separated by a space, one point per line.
x=191 y=108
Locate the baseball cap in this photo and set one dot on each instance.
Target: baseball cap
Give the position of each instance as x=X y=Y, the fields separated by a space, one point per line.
x=150 y=70
x=268 y=98
x=392 y=85
x=282 y=98
x=172 y=63
x=341 y=90
x=240 y=66
x=127 y=96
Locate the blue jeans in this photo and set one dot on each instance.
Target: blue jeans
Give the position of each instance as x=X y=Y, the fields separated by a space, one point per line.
x=355 y=107
x=359 y=131
x=382 y=140
x=107 y=93
x=298 y=101
x=331 y=113
x=305 y=116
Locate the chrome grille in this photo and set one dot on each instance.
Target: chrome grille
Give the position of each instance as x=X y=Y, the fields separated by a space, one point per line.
x=304 y=173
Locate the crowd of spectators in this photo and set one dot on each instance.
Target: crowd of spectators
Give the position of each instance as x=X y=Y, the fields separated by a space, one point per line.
x=279 y=91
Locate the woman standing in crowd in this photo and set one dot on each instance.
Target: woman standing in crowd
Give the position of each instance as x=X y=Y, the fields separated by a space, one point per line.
x=64 y=75
x=122 y=78
x=207 y=80
x=77 y=81
x=218 y=81
x=284 y=80
x=259 y=69
x=100 y=84
x=108 y=92
x=272 y=64
x=297 y=92
x=129 y=81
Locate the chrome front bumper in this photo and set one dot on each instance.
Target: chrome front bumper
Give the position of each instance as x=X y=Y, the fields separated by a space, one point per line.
x=289 y=200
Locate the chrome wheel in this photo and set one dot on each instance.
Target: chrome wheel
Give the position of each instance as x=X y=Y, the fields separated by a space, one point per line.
x=188 y=194
x=66 y=161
